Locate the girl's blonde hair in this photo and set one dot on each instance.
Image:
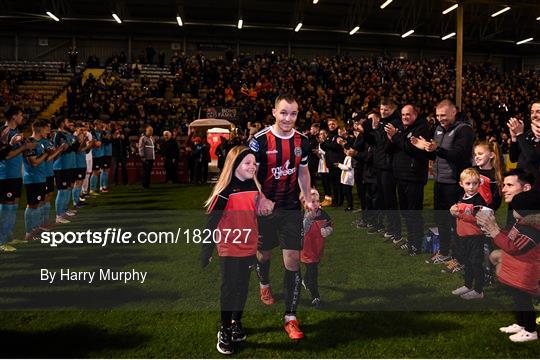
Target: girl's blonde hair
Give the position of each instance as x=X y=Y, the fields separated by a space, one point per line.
x=227 y=173
x=495 y=161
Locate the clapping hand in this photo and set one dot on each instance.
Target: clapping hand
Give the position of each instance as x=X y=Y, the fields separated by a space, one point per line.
x=390 y=130
x=15 y=140
x=516 y=127
x=423 y=144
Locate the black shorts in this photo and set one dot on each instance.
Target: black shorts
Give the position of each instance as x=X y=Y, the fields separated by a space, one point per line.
x=284 y=228
x=96 y=163
x=106 y=162
x=80 y=173
x=49 y=184
x=35 y=193
x=63 y=178
x=10 y=189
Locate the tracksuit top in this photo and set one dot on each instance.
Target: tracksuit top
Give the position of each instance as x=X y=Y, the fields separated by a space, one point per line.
x=97 y=152
x=279 y=160
x=520 y=265
x=408 y=162
x=233 y=213
x=454 y=151
x=107 y=144
x=466 y=220
x=34 y=174
x=47 y=144
x=489 y=189
x=12 y=168
x=67 y=159
x=347 y=171
x=313 y=249
x=526 y=152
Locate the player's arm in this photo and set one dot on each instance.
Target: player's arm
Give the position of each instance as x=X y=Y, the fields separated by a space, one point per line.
x=304 y=181
x=265 y=206
x=83 y=145
x=20 y=149
x=57 y=151
x=33 y=159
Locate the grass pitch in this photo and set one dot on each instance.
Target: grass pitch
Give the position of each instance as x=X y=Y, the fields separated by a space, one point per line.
x=368 y=291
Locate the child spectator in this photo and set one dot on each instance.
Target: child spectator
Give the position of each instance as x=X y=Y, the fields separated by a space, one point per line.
x=470 y=236
x=487 y=157
x=322 y=169
x=317 y=226
x=232 y=206
x=347 y=177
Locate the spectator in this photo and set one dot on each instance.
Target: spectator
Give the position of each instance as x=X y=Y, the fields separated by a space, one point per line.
x=147 y=154
x=120 y=147
x=171 y=153
x=519 y=268
x=451 y=149
x=514 y=182
x=386 y=200
x=525 y=146
x=313 y=159
x=410 y=169
x=333 y=154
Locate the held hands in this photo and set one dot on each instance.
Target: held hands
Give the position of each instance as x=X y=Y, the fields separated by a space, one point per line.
x=264 y=206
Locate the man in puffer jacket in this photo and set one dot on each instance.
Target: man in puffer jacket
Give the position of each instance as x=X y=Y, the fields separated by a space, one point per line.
x=519 y=264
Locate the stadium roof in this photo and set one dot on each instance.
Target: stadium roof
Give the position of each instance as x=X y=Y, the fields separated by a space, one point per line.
x=328 y=21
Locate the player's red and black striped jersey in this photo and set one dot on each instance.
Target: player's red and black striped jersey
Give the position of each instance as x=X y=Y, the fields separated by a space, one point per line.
x=279 y=160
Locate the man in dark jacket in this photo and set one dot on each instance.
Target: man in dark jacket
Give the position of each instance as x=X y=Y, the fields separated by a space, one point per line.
x=525 y=145
x=410 y=168
x=334 y=154
x=120 y=147
x=451 y=150
x=386 y=198
x=359 y=145
x=171 y=153
x=313 y=159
